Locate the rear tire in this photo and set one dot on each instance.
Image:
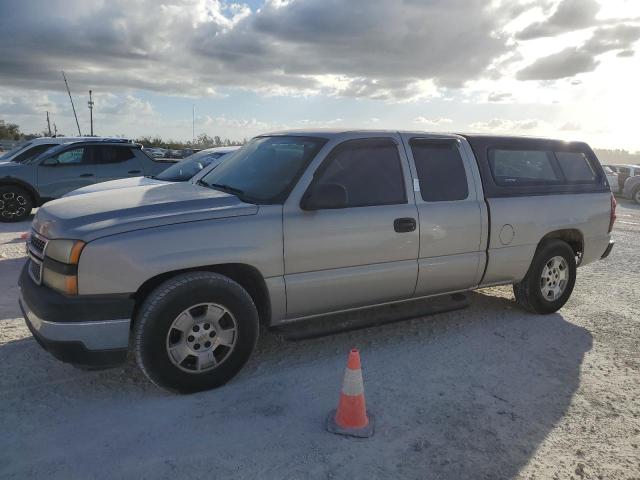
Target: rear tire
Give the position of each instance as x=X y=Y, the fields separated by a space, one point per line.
x=15 y=204
x=195 y=332
x=550 y=280
x=635 y=195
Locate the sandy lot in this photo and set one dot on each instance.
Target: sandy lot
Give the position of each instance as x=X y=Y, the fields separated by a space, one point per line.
x=489 y=392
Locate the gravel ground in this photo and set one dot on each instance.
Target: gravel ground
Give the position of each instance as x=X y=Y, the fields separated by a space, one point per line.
x=488 y=392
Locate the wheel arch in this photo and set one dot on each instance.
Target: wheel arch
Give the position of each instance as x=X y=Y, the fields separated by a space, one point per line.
x=571 y=236
x=10 y=181
x=247 y=276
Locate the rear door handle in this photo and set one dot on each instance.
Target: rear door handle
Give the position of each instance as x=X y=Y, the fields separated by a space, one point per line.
x=86 y=175
x=134 y=171
x=402 y=225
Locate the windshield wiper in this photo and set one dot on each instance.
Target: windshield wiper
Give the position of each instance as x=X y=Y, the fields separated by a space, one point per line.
x=227 y=189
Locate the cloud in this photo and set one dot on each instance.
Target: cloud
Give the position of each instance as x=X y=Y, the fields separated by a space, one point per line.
x=574 y=60
x=383 y=49
x=432 y=121
x=498 y=97
x=501 y=125
x=566 y=63
x=568 y=16
x=570 y=126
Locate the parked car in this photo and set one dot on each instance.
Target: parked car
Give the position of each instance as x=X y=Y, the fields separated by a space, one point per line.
x=300 y=224
x=631 y=187
x=30 y=149
x=27 y=182
x=155 y=152
x=624 y=172
x=612 y=178
x=181 y=171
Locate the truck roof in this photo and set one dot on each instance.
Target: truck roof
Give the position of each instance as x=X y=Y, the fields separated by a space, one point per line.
x=477 y=137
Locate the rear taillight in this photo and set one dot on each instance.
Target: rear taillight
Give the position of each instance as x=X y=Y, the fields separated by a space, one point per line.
x=612 y=217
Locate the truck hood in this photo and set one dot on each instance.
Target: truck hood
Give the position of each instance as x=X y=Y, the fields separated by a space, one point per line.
x=109 y=212
x=115 y=184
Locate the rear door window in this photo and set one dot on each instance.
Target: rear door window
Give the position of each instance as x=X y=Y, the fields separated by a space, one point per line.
x=114 y=154
x=575 y=166
x=523 y=167
x=440 y=170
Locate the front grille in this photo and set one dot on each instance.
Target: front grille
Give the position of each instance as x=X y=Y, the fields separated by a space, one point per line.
x=37 y=245
x=35 y=270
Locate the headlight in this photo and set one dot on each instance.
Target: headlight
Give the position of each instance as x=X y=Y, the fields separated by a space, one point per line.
x=65 y=251
x=60 y=266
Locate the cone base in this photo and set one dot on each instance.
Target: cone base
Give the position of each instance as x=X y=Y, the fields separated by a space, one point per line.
x=365 y=432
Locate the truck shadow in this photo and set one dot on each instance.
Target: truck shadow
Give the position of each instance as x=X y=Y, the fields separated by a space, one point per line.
x=464 y=394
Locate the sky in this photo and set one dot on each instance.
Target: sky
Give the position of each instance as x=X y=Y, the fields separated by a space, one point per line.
x=566 y=69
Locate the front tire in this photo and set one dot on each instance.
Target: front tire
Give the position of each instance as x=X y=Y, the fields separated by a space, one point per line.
x=550 y=280
x=195 y=332
x=15 y=204
x=636 y=195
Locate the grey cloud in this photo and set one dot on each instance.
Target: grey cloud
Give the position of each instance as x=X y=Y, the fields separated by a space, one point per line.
x=569 y=15
x=566 y=63
x=574 y=60
x=498 y=97
x=381 y=47
x=618 y=37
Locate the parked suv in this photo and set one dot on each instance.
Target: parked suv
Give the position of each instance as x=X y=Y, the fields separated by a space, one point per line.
x=27 y=182
x=32 y=148
x=185 y=170
x=300 y=224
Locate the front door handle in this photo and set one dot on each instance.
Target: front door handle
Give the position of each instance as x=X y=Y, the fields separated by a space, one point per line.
x=402 y=225
x=86 y=175
x=134 y=171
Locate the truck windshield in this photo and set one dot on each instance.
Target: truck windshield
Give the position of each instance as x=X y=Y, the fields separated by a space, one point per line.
x=265 y=170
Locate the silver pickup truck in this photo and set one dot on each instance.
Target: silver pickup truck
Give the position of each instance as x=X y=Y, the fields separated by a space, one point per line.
x=302 y=224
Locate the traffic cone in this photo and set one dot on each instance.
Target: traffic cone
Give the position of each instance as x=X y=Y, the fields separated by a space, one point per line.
x=351 y=417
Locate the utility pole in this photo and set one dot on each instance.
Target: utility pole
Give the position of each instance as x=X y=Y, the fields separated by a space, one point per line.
x=48 y=124
x=55 y=129
x=193 y=126
x=72 y=105
x=91 y=111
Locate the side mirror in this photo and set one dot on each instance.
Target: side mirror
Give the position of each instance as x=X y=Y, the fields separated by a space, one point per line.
x=324 y=196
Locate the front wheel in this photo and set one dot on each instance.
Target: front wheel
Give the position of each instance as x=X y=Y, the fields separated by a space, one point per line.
x=550 y=279
x=636 y=195
x=15 y=204
x=195 y=332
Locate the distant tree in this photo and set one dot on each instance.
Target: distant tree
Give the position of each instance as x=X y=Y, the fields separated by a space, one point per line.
x=10 y=131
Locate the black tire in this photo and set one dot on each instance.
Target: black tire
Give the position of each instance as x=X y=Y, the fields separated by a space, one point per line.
x=163 y=306
x=635 y=195
x=528 y=292
x=15 y=204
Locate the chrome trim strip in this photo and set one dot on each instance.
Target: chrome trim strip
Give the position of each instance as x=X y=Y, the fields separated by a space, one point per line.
x=100 y=335
x=36 y=260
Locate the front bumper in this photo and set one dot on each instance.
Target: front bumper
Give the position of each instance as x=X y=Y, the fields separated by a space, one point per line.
x=90 y=330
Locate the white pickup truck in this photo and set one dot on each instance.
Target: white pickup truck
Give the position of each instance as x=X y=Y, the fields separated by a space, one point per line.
x=301 y=224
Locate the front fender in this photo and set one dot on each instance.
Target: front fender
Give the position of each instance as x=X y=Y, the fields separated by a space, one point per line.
x=122 y=263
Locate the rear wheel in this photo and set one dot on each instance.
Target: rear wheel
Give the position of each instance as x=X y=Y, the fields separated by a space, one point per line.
x=636 y=195
x=195 y=332
x=15 y=204
x=550 y=279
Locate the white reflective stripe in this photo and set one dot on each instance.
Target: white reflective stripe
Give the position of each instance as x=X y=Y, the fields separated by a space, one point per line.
x=352 y=384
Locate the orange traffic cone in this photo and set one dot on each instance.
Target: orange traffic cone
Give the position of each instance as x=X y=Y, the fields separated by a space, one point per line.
x=351 y=417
